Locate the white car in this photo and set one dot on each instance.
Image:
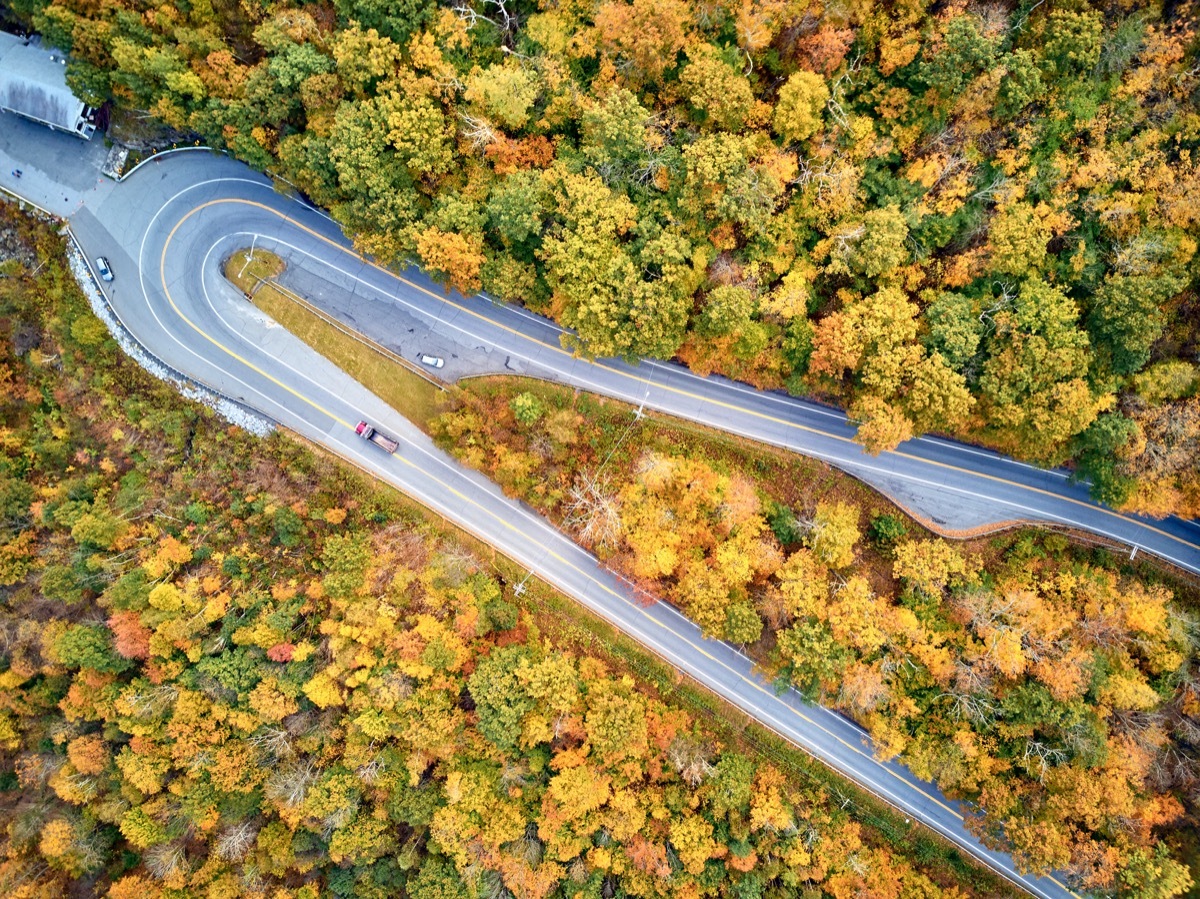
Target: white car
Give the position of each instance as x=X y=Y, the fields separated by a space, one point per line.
x=432 y=361
x=103 y=269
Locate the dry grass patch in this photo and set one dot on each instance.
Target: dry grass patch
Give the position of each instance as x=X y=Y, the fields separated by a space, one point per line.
x=382 y=372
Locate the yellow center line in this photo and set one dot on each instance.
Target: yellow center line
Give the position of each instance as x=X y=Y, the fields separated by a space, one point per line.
x=509 y=526
x=723 y=404
x=246 y=362
x=753 y=683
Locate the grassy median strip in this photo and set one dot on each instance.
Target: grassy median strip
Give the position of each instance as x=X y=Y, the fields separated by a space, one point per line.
x=408 y=393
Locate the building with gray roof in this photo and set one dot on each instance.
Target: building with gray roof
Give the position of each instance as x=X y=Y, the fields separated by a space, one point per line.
x=33 y=84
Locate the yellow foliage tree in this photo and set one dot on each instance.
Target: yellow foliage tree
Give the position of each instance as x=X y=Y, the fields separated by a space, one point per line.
x=834 y=533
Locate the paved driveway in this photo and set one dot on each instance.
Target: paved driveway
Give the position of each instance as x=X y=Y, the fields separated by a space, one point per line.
x=57 y=170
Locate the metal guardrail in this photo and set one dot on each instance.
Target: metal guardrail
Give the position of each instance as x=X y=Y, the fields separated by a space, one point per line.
x=159 y=154
x=190 y=381
x=1133 y=554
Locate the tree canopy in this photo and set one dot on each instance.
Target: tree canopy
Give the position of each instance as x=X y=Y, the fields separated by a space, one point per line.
x=231 y=668
x=623 y=165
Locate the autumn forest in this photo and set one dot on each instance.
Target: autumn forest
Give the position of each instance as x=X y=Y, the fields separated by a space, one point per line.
x=973 y=218
x=231 y=667
x=230 y=672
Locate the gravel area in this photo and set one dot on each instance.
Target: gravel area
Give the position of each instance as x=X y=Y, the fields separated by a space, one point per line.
x=114 y=163
x=232 y=412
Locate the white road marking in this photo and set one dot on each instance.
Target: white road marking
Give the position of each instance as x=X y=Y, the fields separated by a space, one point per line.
x=823 y=455
x=355 y=452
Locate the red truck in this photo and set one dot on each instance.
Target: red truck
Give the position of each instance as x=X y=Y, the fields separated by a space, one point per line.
x=368 y=432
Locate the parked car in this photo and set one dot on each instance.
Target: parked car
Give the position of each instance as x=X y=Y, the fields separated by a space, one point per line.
x=103 y=269
x=433 y=361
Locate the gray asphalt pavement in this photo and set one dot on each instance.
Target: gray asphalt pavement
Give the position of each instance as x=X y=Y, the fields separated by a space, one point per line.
x=56 y=169
x=165 y=232
x=170 y=235
x=951 y=486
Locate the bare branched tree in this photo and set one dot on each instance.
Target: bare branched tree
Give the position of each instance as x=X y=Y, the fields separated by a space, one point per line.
x=1140 y=254
x=337 y=819
x=200 y=761
x=529 y=847
x=847 y=239
x=370 y=772
x=690 y=758
x=151 y=701
x=954 y=163
x=977 y=708
x=273 y=742
x=988 y=193
x=1041 y=756
x=514 y=774
x=1102 y=629
x=499 y=16
x=826 y=178
x=165 y=859
x=1174 y=767
x=970 y=693
x=1008 y=296
x=857 y=863
x=838 y=93
x=290 y=785
x=652 y=163
x=478 y=132
x=234 y=842
x=458 y=563
x=593 y=514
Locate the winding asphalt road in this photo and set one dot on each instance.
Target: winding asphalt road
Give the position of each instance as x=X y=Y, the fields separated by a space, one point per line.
x=950 y=486
x=165 y=232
